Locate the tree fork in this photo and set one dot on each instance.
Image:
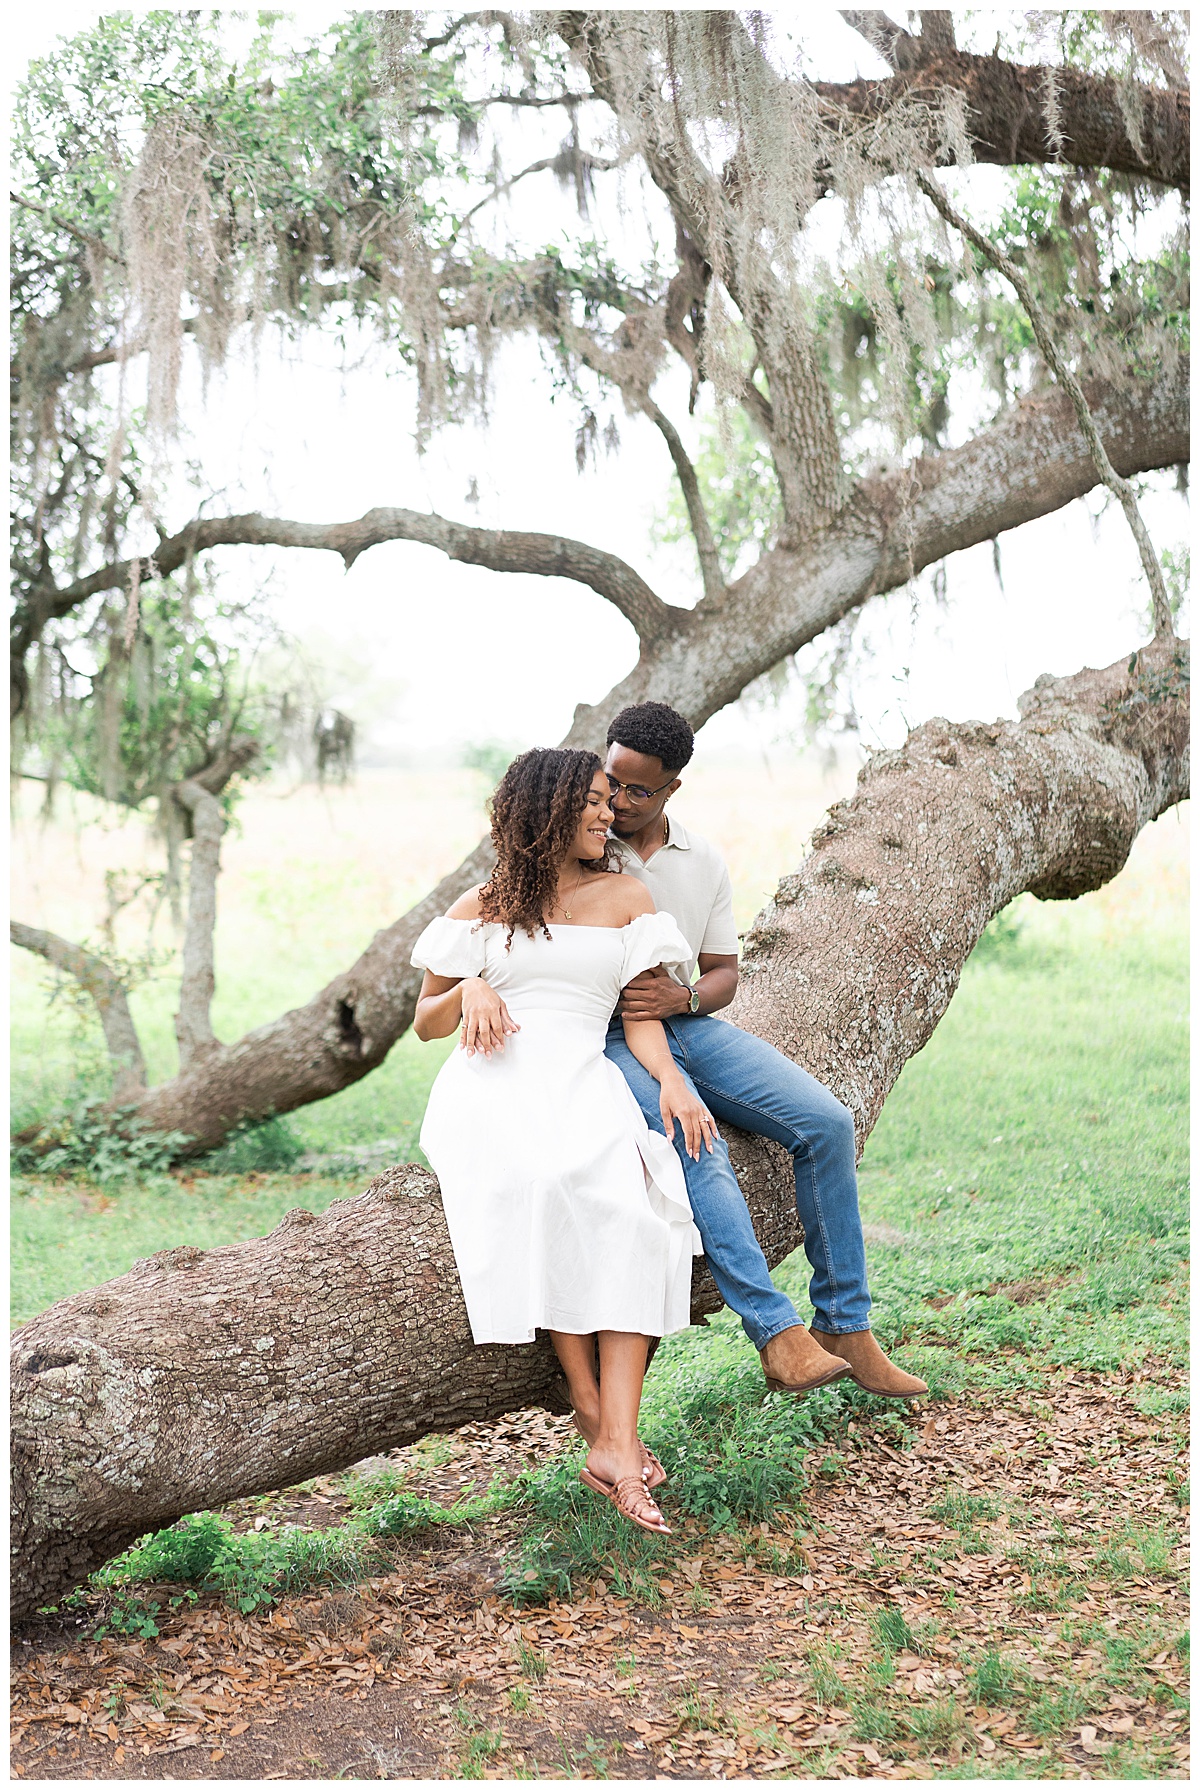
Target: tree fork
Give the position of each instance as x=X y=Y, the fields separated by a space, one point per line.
x=203 y=1376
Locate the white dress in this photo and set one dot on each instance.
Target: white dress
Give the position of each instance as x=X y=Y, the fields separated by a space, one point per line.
x=565 y=1211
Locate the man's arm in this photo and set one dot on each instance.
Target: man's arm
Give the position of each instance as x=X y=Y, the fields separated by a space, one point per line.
x=655 y=995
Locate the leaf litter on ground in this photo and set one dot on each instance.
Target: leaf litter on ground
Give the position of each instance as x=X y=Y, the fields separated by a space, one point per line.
x=987 y=1583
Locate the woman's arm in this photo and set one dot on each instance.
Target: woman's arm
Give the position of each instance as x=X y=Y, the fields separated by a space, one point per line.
x=648 y=1042
x=446 y=1002
x=439 y=1007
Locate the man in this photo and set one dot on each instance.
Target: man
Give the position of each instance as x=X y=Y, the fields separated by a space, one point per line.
x=742 y=1080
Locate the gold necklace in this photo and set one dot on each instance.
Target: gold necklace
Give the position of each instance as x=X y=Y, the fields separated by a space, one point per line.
x=566 y=912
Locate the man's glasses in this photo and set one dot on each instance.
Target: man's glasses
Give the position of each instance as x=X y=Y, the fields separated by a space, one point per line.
x=637 y=792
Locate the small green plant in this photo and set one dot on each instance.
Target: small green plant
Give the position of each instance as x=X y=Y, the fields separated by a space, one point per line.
x=892 y=1633
x=539 y=1570
x=480 y=1748
x=185 y=1553
x=519 y=1699
x=871 y=1721
x=533 y=1662
x=251 y=1570
x=937 y=1728
x=1056 y=1712
x=827 y=1686
x=995 y=1680
x=594 y=1757
x=963 y=1511
x=128 y=1615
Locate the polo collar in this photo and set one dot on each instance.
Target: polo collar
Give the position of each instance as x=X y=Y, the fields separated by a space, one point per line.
x=676 y=840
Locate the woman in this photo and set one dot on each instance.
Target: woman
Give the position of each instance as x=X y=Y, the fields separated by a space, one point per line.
x=566 y=1212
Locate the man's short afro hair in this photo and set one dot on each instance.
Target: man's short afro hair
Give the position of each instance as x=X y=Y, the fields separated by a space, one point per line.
x=656 y=730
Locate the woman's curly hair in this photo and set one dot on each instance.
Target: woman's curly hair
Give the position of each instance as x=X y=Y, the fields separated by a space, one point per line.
x=535 y=815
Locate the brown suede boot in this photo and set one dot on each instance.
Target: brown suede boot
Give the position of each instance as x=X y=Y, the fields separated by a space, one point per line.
x=793 y=1362
x=869 y=1366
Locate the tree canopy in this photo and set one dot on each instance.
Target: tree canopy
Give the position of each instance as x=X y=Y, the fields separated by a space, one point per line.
x=887 y=379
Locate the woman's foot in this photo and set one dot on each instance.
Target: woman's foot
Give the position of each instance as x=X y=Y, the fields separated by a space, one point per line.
x=610 y=1462
x=653 y=1471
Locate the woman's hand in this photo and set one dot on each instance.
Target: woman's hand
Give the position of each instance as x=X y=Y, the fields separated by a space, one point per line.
x=486 y=1021
x=677 y=1101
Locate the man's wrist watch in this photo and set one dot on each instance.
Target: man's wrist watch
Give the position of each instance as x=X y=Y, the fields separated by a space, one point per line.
x=693 y=1005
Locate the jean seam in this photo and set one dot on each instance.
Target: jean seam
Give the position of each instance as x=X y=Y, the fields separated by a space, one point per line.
x=808 y=1148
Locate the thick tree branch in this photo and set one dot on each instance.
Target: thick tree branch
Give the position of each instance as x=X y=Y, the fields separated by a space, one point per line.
x=1008 y=120
x=804 y=439
x=203 y=1376
x=1042 y=329
x=499 y=549
x=851 y=966
x=883 y=34
x=937 y=33
x=1031 y=462
x=107 y=991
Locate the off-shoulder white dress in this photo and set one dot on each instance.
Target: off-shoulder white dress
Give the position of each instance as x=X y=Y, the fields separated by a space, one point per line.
x=565 y=1211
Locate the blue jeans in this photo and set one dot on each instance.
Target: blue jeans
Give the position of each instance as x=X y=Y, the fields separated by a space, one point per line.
x=751 y=1085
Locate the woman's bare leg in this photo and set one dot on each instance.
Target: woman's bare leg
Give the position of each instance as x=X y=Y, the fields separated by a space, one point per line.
x=616 y=1451
x=577 y=1356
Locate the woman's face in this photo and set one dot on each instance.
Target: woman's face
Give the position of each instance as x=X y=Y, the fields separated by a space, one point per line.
x=594 y=822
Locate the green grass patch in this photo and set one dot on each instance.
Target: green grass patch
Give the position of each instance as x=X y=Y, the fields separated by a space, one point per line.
x=1024 y=1192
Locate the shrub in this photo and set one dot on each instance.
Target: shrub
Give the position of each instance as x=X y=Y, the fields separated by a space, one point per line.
x=103 y=1144
x=266 y=1148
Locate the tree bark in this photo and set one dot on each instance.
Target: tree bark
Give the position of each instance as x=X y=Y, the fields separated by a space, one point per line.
x=1008 y=120
x=197 y=985
x=112 y=1003
x=1029 y=463
x=204 y=1376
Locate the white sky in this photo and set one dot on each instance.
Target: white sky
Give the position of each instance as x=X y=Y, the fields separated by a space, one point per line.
x=429 y=654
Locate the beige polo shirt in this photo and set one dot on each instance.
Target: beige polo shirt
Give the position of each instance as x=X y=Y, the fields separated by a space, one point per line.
x=688 y=879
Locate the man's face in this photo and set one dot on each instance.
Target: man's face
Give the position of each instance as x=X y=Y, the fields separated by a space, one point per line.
x=629 y=767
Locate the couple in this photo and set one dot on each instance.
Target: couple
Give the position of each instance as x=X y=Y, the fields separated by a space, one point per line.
x=574 y=1133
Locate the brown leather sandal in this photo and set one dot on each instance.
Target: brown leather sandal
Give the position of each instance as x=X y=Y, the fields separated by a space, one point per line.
x=654 y=1473
x=631 y=1498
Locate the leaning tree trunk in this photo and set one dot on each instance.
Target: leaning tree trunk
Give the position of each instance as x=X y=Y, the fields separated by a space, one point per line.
x=205 y=1376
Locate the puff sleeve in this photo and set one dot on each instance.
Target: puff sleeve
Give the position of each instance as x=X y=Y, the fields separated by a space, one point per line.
x=652 y=939
x=452 y=948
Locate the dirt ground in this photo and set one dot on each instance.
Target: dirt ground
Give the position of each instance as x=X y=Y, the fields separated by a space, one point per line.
x=763 y=1659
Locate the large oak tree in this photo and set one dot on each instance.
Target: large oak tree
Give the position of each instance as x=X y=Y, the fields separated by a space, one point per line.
x=324 y=191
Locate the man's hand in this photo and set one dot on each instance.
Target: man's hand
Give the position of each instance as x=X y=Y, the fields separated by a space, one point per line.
x=486 y=1021
x=653 y=995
